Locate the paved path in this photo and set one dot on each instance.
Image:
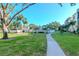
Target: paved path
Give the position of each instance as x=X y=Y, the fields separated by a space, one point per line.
x=53 y=49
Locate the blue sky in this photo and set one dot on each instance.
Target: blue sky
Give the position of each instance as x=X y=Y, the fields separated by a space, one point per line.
x=44 y=13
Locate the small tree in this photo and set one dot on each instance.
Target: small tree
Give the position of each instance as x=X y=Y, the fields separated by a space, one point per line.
x=33 y=26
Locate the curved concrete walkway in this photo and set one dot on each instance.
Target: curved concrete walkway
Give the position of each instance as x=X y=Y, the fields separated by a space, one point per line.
x=53 y=49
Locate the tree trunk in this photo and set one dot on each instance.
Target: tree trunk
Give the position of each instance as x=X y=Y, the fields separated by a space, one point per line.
x=3 y=22
x=5 y=32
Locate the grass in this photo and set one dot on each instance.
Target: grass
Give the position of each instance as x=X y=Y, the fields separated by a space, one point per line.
x=69 y=43
x=24 y=44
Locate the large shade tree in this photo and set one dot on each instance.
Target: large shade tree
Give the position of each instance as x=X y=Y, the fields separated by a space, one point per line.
x=53 y=25
x=5 y=13
x=66 y=26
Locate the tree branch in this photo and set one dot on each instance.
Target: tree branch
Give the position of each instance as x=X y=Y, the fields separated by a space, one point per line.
x=6 y=6
x=19 y=12
x=60 y=4
x=2 y=6
x=12 y=8
x=72 y=4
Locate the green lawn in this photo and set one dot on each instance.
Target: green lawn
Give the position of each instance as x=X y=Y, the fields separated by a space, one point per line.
x=26 y=44
x=69 y=42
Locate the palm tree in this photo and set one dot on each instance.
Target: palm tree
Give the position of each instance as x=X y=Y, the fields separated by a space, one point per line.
x=20 y=22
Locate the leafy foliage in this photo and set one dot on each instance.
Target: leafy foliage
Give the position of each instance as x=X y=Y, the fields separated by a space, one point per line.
x=33 y=26
x=54 y=25
x=20 y=20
